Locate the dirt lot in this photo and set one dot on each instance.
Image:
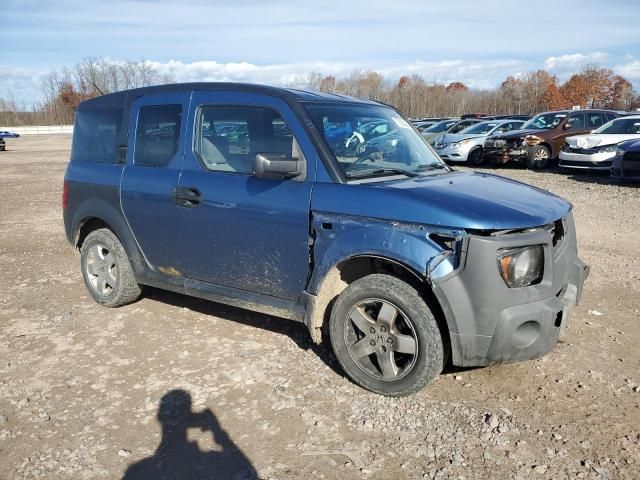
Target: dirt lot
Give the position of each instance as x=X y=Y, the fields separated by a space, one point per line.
x=245 y=395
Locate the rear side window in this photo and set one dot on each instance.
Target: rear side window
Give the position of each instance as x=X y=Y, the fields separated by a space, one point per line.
x=157 y=135
x=94 y=135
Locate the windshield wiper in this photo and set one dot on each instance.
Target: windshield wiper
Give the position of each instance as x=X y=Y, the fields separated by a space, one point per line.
x=379 y=171
x=431 y=166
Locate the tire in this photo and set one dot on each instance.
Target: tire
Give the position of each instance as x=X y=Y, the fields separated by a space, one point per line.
x=538 y=157
x=107 y=271
x=398 y=372
x=475 y=158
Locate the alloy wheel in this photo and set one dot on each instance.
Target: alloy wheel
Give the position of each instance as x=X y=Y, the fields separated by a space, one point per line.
x=380 y=339
x=102 y=271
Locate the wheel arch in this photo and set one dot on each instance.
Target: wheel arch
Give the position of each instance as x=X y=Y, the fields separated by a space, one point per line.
x=349 y=269
x=96 y=214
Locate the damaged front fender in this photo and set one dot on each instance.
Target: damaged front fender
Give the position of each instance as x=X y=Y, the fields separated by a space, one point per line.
x=429 y=252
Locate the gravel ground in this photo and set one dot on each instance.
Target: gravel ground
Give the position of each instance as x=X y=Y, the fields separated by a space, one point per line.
x=195 y=389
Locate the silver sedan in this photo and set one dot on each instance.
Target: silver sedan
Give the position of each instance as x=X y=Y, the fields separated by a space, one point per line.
x=467 y=145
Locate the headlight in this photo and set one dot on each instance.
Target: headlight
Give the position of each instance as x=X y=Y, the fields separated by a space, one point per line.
x=532 y=140
x=521 y=266
x=608 y=148
x=499 y=143
x=460 y=143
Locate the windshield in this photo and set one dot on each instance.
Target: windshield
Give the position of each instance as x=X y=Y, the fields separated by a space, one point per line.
x=621 y=126
x=482 y=127
x=372 y=141
x=544 y=121
x=439 y=127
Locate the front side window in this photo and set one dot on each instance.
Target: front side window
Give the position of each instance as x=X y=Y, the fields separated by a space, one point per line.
x=595 y=120
x=372 y=141
x=228 y=138
x=576 y=121
x=157 y=135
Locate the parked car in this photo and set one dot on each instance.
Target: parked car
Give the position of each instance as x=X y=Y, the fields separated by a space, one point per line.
x=596 y=150
x=626 y=163
x=402 y=261
x=3 y=135
x=467 y=146
x=507 y=117
x=433 y=136
x=542 y=137
x=438 y=128
x=422 y=126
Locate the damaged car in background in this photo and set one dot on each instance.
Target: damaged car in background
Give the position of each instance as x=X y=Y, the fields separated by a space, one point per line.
x=596 y=151
x=541 y=138
x=468 y=145
x=402 y=264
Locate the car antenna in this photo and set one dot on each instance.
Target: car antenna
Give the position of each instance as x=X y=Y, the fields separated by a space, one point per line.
x=96 y=87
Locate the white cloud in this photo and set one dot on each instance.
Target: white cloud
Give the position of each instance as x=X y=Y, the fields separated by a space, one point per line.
x=567 y=64
x=629 y=70
x=475 y=74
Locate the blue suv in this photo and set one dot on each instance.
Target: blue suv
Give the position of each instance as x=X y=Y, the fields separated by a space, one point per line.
x=239 y=194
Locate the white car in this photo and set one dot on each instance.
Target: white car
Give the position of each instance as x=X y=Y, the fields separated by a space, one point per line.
x=596 y=150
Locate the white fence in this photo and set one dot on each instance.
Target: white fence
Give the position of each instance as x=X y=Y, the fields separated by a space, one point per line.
x=39 y=130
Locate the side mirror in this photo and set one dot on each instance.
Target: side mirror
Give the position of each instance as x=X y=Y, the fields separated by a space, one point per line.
x=275 y=166
x=567 y=126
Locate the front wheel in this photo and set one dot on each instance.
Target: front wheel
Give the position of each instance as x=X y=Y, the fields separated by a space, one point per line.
x=538 y=157
x=385 y=337
x=475 y=158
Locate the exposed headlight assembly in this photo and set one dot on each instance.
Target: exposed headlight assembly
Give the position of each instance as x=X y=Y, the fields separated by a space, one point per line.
x=522 y=266
x=608 y=148
x=499 y=143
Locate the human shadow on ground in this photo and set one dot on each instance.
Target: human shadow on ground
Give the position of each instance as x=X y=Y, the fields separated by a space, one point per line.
x=178 y=458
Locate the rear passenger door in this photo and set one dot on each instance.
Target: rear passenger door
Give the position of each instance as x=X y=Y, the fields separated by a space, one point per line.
x=151 y=174
x=245 y=232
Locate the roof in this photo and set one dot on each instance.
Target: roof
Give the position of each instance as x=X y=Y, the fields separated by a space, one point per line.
x=119 y=99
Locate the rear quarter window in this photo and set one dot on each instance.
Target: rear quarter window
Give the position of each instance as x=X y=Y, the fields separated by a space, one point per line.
x=94 y=135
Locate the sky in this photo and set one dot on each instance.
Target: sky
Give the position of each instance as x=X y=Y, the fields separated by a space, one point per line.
x=280 y=41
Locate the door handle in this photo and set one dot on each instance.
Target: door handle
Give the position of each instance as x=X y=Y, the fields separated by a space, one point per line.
x=188 y=197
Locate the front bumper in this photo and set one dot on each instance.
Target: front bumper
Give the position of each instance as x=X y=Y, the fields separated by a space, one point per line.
x=453 y=154
x=490 y=323
x=595 y=161
x=506 y=153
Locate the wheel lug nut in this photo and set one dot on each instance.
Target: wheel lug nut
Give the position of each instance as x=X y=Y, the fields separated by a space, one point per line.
x=383 y=329
x=372 y=330
x=384 y=349
x=372 y=343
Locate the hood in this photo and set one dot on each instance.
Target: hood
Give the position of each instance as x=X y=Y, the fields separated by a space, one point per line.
x=520 y=133
x=456 y=137
x=586 y=142
x=464 y=200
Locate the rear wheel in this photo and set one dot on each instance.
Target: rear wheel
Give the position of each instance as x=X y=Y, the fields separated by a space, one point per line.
x=385 y=337
x=538 y=157
x=107 y=271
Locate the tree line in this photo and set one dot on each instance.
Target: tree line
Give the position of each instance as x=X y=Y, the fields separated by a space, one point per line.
x=592 y=87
